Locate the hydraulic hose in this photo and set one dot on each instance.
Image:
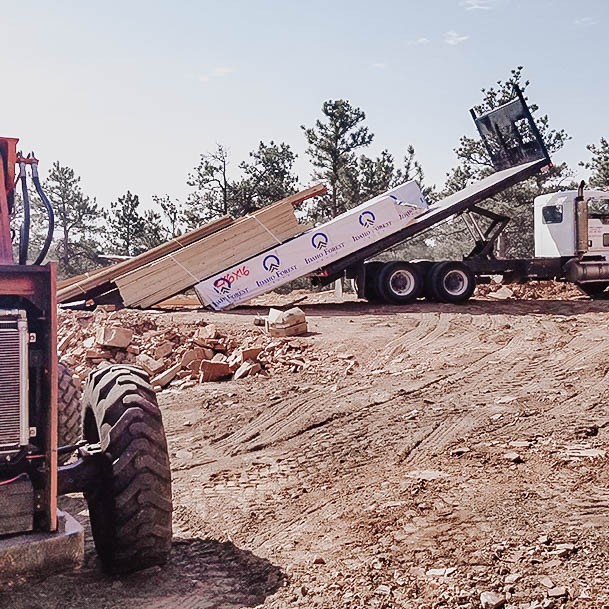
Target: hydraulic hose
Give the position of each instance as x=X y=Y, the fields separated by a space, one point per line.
x=49 y=210
x=24 y=233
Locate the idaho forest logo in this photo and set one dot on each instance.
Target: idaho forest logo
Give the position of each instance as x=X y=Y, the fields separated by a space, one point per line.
x=367 y=219
x=222 y=285
x=319 y=241
x=271 y=263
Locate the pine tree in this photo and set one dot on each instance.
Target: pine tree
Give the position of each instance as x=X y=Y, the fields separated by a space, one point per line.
x=126 y=227
x=598 y=164
x=267 y=177
x=211 y=188
x=332 y=145
x=76 y=222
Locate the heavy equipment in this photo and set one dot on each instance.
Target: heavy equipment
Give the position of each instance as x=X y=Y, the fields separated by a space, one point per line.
x=110 y=445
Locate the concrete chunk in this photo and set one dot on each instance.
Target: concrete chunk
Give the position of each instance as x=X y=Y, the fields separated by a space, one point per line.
x=163 y=379
x=114 y=336
x=149 y=364
x=251 y=353
x=163 y=350
x=247 y=368
x=213 y=371
x=289 y=330
x=205 y=334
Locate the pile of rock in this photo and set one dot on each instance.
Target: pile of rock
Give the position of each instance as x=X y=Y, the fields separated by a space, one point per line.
x=173 y=354
x=533 y=290
x=177 y=355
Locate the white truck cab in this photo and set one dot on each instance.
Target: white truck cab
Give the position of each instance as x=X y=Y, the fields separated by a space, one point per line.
x=555 y=222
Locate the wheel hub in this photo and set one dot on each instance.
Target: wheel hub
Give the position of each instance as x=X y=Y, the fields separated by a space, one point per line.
x=455 y=282
x=402 y=283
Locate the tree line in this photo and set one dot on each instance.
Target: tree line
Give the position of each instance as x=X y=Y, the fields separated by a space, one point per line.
x=335 y=148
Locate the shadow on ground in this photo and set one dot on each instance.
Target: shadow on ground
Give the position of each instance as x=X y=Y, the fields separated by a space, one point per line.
x=200 y=574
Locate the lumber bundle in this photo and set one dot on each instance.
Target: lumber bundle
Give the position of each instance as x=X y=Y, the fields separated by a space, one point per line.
x=181 y=270
x=176 y=266
x=102 y=280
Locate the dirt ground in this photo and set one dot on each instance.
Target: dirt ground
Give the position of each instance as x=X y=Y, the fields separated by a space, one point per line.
x=424 y=456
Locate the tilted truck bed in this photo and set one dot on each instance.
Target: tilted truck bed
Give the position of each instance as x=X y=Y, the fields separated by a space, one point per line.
x=442 y=210
x=515 y=149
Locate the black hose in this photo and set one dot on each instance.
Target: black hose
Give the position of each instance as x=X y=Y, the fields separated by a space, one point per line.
x=24 y=236
x=50 y=214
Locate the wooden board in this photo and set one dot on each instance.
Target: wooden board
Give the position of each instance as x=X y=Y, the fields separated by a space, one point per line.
x=139 y=276
x=181 y=270
x=95 y=280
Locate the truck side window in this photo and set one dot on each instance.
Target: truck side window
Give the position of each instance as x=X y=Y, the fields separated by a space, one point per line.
x=605 y=239
x=552 y=214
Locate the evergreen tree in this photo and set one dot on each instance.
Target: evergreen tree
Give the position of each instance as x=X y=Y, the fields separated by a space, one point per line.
x=76 y=222
x=211 y=195
x=266 y=178
x=172 y=214
x=332 y=145
x=598 y=164
x=126 y=228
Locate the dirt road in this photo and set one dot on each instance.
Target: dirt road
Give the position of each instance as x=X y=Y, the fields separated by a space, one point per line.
x=423 y=456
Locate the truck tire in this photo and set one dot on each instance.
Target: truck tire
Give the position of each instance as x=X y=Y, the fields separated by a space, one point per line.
x=130 y=509
x=370 y=283
x=451 y=282
x=399 y=282
x=69 y=410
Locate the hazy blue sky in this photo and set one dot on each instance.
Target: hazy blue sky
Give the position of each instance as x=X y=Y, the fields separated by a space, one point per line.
x=129 y=93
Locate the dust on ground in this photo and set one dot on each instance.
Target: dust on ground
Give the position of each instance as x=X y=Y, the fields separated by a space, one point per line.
x=422 y=457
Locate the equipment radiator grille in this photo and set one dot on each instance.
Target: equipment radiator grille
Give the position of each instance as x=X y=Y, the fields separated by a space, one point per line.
x=10 y=385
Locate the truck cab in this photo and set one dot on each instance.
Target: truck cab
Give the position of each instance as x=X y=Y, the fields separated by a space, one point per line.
x=556 y=225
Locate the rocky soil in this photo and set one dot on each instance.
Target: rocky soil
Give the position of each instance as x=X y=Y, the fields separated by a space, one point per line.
x=420 y=457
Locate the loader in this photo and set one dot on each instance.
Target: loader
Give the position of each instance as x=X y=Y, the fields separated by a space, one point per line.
x=106 y=441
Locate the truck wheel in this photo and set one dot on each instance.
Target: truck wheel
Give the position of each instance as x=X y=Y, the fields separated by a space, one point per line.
x=69 y=412
x=130 y=509
x=399 y=282
x=451 y=282
x=593 y=289
x=370 y=285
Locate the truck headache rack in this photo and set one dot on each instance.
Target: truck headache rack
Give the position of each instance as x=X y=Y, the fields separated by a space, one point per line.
x=510 y=134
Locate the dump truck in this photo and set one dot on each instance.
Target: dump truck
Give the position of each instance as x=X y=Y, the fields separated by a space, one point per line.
x=571 y=233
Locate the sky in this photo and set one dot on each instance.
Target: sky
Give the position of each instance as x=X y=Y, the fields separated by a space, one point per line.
x=129 y=93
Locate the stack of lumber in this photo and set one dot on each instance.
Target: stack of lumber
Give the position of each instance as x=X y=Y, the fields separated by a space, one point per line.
x=241 y=240
x=176 y=266
x=101 y=281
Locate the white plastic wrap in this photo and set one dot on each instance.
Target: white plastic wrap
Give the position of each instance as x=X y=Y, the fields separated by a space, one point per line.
x=382 y=216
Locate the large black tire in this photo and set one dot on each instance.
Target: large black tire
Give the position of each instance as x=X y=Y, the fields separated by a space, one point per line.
x=399 y=282
x=451 y=282
x=69 y=410
x=130 y=509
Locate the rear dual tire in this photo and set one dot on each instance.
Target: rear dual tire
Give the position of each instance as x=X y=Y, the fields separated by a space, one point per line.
x=403 y=282
x=399 y=282
x=450 y=282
